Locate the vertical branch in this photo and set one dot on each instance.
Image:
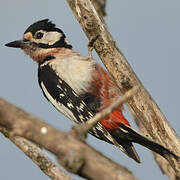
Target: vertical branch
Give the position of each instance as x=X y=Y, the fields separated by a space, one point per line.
x=142 y=106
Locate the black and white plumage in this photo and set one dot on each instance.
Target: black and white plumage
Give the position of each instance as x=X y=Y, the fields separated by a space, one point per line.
x=77 y=107
x=79 y=87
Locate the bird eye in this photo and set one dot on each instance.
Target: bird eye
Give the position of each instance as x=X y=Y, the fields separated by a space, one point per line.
x=39 y=35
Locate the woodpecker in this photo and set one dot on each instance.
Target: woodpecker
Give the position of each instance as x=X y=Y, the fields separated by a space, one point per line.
x=79 y=87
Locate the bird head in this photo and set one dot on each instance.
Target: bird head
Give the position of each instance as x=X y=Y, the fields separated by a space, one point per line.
x=41 y=38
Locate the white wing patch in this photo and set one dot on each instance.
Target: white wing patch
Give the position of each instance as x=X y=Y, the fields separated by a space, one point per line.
x=60 y=107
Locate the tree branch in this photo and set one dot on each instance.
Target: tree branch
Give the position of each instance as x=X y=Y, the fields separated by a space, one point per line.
x=72 y=153
x=37 y=156
x=100 y=6
x=142 y=106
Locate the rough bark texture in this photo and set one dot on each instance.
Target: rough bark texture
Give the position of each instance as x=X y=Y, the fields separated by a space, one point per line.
x=142 y=106
x=37 y=156
x=100 y=6
x=74 y=154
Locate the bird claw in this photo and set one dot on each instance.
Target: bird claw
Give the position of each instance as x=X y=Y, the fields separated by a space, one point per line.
x=91 y=45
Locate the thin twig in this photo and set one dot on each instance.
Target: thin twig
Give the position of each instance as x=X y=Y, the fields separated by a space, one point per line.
x=82 y=129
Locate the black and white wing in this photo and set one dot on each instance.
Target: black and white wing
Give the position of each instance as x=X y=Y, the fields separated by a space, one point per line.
x=78 y=108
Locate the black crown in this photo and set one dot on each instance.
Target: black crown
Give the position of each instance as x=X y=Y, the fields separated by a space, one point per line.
x=45 y=25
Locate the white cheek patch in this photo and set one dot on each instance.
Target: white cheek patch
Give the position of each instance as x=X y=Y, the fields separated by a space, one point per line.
x=52 y=37
x=49 y=38
x=67 y=42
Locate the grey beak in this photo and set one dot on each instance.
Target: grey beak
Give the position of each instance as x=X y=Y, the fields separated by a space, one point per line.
x=16 y=44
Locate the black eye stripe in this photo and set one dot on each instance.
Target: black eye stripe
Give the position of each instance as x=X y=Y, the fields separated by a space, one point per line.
x=39 y=35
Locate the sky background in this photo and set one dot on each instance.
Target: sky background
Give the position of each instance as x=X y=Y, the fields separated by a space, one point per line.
x=148 y=34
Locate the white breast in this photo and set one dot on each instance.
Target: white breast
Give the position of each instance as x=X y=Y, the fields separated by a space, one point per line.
x=75 y=71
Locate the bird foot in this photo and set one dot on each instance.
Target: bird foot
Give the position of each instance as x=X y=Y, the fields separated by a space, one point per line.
x=91 y=45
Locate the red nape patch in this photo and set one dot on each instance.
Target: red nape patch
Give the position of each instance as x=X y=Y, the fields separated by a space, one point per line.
x=113 y=120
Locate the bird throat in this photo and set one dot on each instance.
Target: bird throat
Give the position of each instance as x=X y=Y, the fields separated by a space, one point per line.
x=40 y=54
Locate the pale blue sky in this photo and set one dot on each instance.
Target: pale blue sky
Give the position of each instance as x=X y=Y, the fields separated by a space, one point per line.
x=147 y=32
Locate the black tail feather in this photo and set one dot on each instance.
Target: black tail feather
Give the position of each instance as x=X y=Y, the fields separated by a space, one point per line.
x=150 y=144
x=125 y=136
x=126 y=145
x=130 y=151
